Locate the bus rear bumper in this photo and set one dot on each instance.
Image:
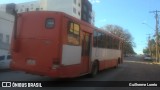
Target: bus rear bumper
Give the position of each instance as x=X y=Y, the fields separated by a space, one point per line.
x=36 y=71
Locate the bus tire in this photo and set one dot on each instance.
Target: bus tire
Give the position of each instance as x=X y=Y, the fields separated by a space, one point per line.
x=94 y=70
x=119 y=60
x=117 y=63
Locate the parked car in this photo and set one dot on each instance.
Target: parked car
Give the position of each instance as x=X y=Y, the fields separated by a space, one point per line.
x=147 y=57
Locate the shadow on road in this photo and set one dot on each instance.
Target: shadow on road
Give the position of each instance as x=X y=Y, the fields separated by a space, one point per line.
x=140 y=62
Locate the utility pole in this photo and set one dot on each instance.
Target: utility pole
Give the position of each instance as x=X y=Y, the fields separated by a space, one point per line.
x=157 y=24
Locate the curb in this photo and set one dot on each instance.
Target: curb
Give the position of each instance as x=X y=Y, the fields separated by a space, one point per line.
x=156 y=63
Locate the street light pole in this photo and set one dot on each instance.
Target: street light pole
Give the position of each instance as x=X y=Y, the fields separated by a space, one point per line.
x=157 y=37
x=148 y=26
x=149 y=45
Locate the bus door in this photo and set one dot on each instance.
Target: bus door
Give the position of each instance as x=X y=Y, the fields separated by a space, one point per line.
x=86 y=48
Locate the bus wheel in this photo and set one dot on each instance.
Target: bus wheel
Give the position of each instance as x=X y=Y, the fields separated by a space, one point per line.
x=116 y=66
x=119 y=60
x=94 y=70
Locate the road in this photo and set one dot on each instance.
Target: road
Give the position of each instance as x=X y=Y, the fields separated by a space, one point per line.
x=133 y=69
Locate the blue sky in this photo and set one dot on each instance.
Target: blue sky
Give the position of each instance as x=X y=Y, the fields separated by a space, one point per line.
x=129 y=14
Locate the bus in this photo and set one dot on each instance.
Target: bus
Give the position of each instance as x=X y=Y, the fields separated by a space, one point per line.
x=57 y=45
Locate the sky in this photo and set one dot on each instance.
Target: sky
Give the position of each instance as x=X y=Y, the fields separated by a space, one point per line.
x=129 y=14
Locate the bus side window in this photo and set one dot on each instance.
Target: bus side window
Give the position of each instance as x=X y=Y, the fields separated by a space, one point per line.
x=99 y=37
x=110 y=42
x=113 y=43
x=107 y=41
x=103 y=40
x=117 y=44
x=74 y=34
x=95 y=38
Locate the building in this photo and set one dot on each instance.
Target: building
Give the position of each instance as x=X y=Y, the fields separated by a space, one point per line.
x=8 y=8
x=71 y=7
x=6 y=26
x=28 y=6
x=86 y=11
x=81 y=9
x=3 y=7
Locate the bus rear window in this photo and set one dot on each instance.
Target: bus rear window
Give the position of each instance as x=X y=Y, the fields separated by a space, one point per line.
x=50 y=23
x=74 y=34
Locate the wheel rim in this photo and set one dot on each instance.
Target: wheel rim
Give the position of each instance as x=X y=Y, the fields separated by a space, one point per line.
x=95 y=69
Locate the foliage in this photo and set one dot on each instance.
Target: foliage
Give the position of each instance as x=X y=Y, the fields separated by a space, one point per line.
x=151 y=49
x=146 y=50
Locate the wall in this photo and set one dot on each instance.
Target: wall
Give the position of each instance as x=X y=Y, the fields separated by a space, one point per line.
x=3 y=7
x=62 y=5
x=6 y=26
x=28 y=6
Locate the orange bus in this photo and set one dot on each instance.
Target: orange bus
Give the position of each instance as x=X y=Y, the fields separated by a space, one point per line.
x=57 y=45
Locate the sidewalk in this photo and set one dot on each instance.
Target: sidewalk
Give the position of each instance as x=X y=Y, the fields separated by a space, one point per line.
x=157 y=63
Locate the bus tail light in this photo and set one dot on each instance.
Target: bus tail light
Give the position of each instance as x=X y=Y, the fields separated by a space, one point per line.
x=55 y=66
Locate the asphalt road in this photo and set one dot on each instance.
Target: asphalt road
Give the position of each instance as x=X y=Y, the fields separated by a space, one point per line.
x=133 y=69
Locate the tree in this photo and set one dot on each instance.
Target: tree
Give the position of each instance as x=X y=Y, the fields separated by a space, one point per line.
x=124 y=34
x=146 y=50
x=153 y=47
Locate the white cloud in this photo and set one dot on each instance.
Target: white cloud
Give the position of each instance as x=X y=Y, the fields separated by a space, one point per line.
x=102 y=20
x=95 y=1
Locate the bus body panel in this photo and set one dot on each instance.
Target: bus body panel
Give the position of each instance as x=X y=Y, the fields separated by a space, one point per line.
x=38 y=47
x=108 y=57
x=67 y=56
x=41 y=51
